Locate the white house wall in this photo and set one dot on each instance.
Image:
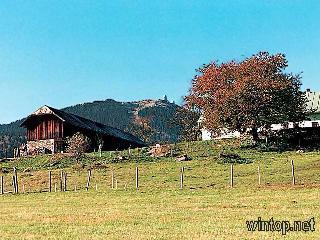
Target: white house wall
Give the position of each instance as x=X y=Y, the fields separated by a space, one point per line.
x=205 y=134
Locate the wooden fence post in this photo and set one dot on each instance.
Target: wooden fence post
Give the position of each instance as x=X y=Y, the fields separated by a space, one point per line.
x=137 y=178
x=16 y=180
x=100 y=150
x=61 y=181
x=231 y=175
x=13 y=184
x=139 y=153
x=1 y=185
x=65 y=181
x=259 y=175
x=112 y=179
x=292 y=173
x=50 y=181
x=181 y=177
x=88 y=181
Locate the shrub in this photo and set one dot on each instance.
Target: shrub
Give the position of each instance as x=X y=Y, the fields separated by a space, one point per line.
x=228 y=157
x=77 y=145
x=247 y=143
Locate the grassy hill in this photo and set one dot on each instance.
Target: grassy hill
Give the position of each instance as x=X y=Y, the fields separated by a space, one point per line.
x=207 y=169
x=127 y=116
x=207 y=207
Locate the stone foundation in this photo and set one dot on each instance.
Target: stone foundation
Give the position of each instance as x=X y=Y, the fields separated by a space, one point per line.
x=41 y=146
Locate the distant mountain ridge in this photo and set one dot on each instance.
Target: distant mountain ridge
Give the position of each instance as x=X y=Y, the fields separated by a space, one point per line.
x=150 y=120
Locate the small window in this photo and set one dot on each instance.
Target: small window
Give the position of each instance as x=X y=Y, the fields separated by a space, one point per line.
x=315 y=124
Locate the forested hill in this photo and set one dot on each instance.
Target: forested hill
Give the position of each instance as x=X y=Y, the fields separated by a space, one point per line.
x=150 y=120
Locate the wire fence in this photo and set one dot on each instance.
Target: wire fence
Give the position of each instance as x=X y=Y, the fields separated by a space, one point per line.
x=158 y=176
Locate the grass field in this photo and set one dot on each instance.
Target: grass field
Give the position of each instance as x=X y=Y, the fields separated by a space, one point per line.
x=207 y=208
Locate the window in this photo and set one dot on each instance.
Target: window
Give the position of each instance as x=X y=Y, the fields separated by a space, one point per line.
x=315 y=124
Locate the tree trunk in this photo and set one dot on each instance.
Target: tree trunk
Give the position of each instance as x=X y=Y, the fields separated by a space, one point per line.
x=254 y=133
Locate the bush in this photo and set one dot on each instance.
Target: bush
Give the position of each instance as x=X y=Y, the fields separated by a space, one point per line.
x=227 y=158
x=271 y=147
x=247 y=143
x=77 y=145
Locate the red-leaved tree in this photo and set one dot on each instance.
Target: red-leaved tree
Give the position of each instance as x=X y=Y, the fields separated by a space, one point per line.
x=248 y=94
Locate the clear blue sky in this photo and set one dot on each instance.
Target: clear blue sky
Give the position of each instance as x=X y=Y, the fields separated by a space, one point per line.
x=62 y=53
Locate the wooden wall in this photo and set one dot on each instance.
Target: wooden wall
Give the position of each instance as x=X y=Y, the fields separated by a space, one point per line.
x=45 y=128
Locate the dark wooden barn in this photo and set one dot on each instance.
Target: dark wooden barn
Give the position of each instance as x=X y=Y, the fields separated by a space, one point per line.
x=48 y=128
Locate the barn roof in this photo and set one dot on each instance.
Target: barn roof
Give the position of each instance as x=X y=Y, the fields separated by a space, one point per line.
x=84 y=123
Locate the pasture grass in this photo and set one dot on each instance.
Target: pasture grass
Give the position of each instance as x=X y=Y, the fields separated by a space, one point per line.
x=187 y=214
x=207 y=207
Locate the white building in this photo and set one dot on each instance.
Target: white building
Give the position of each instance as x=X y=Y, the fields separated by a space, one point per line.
x=225 y=133
x=313 y=103
x=313 y=100
x=303 y=124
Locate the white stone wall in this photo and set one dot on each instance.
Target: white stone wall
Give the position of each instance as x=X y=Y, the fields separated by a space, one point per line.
x=34 y=146
x=225 y=133
x=207 y=135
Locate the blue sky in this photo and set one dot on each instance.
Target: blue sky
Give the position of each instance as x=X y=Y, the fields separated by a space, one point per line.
x=62 y=53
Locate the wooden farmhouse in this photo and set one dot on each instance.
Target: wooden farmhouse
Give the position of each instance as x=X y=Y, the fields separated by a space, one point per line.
x=48 y=129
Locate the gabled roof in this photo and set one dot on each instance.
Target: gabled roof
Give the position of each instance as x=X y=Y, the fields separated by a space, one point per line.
x=84 y=123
